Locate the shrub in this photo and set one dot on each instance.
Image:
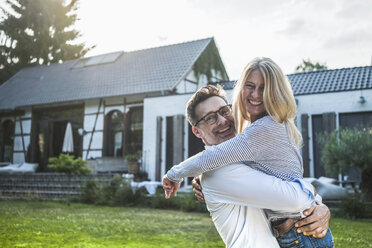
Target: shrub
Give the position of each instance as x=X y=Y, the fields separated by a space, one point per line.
x=349 y=148
x=158 y=201
x=184 y=201
x=90 y=191
x=114 y=193
x=69 y=165
x=189 y=203
x=354 y=207
x=123 y=195
x=119 y=193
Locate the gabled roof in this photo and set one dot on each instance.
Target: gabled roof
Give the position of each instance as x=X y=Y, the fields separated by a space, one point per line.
x=325 y=81
x=116 y=74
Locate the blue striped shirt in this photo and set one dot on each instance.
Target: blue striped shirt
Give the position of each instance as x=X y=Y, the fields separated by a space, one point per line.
x=265 y=146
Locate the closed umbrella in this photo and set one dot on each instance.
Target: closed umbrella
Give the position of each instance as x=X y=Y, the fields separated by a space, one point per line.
x=68 y=141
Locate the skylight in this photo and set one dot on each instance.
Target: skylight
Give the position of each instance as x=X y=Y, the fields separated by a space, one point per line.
x=98 y=60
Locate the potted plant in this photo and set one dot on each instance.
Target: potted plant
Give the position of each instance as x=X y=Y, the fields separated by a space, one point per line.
x=133 y=164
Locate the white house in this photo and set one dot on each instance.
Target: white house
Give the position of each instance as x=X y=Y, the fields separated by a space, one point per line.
x=134 y=102
x=101 y=96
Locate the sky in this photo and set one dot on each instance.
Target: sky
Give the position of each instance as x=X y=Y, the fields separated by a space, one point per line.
x=335 y=32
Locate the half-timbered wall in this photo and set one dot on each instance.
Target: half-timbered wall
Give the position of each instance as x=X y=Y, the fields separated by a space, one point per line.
x=94 y=123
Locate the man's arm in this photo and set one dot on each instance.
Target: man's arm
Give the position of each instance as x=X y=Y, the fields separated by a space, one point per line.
x=242 y=185
x=316 y=223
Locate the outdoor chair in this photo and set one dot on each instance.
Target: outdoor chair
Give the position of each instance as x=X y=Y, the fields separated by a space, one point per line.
x=19 y=168
x=327 y=189
x=26 y=168
x=9 y=168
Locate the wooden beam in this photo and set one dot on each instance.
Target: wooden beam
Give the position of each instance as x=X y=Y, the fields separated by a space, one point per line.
x=94 y=128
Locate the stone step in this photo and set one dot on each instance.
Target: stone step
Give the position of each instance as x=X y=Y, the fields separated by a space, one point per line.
x=45 y=185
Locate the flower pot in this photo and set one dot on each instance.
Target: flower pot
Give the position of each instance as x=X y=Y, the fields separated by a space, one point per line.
x=133 y=167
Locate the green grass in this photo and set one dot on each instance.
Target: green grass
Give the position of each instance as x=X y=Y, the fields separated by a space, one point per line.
x=51 y=224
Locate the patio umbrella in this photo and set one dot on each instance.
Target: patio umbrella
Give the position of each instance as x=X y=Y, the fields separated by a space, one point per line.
x=68 y=141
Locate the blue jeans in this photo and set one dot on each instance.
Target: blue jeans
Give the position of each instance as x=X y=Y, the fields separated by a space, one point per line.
x=298 y=240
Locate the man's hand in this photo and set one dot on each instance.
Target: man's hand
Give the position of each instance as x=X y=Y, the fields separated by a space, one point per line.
x=197 y=188
x=169 y=187
x=316 y=223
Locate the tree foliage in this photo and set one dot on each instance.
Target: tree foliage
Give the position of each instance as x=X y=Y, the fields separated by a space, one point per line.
x=37 y=32
x=349 y=148
x=307 y=65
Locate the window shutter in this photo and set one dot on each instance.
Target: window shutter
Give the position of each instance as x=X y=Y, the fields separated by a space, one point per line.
x=159 y=122
x=329 y=122
x=305 y=148
x=178 y=139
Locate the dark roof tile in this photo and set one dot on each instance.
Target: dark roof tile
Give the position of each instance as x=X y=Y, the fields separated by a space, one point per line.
x=325 y=81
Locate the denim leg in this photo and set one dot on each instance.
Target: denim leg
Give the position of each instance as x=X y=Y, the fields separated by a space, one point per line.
x=298 y=240
x=325 y=242
x=290 y=239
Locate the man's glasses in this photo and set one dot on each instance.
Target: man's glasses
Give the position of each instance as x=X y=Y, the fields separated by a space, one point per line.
x=212 y=117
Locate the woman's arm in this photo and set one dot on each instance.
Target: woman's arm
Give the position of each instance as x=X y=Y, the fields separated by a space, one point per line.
x=237 y=149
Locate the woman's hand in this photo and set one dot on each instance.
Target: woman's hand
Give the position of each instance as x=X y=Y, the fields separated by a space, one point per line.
x=169 y=187
x=316 y=223
x=197 y=188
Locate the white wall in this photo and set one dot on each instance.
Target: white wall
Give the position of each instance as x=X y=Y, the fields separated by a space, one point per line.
x=154 y=107
x=338 y=102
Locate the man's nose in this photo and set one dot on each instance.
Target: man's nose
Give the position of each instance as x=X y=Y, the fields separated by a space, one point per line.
x=220 y=119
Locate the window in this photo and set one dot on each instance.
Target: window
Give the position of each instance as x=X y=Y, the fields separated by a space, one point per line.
x=134 y=130
x=114 y=134
x=6 y=141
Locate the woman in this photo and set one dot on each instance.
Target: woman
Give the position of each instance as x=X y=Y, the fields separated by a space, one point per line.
x=263 y=100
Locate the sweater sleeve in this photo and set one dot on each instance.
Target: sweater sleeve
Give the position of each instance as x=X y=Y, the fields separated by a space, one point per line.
x=237 y=149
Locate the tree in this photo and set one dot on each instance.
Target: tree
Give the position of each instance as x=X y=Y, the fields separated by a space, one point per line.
x=37 y=32
x=349 y=148
x=307 y=65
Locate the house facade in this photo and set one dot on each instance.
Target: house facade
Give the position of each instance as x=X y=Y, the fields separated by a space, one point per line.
x=134 y=102
x=101 y=96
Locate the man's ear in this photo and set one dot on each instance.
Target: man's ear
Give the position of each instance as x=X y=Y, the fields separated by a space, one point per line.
x=195 y=130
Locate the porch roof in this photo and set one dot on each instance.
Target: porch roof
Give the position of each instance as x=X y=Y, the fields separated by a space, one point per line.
x=116 y=74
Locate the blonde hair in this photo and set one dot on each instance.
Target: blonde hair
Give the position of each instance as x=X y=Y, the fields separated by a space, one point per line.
x=278 y=97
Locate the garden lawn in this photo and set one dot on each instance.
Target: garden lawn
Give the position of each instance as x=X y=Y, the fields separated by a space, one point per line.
x=51 y=224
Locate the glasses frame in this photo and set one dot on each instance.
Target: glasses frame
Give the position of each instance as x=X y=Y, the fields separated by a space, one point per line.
x=215 y=112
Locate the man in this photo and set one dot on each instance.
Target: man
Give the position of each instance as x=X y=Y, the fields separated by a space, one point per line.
x=235 y=194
